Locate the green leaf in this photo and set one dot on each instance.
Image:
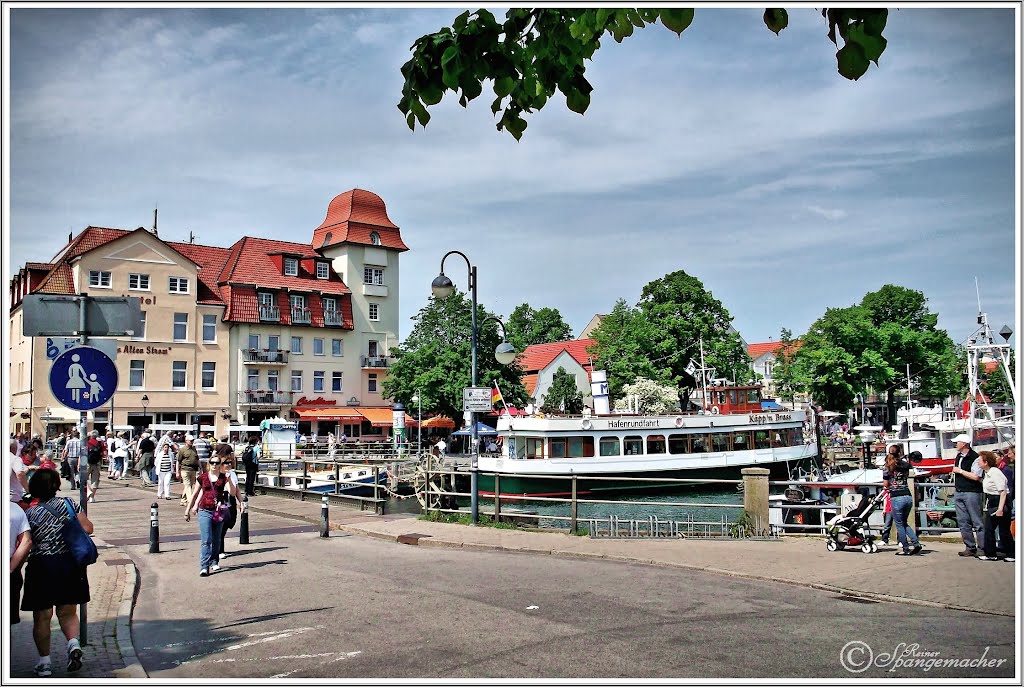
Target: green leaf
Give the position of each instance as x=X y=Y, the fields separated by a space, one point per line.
x=874 y=23
x=471 y=88
x=852 y=63
x=450 y=53
x=649 y=14
x=496 y=105
x=461 y=21
x=634 y=18
x=431 y=94
x=410 y=119
x=577 y=101
x=602 y=17
x=676 y=20
x=776 y=19
x=872 y=46
x=504 y=86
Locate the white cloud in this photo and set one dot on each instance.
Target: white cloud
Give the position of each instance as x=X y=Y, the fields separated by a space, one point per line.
x=827 y=213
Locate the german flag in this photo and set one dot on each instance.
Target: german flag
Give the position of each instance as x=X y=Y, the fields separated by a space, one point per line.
x=496 y=395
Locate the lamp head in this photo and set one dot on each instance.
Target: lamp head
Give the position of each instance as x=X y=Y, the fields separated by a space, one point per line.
x=145 y=400
x=505 y=353
x=415 y=398
x=442 y=286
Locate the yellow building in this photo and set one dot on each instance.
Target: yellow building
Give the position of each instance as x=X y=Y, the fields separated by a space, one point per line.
x=229 y=336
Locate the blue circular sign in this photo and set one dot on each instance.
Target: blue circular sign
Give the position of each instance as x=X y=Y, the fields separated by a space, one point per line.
x=83 y=378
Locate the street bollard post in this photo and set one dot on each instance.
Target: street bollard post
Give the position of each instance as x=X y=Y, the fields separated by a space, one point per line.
x=324 y=524
x=154 y=528
x=243 y=525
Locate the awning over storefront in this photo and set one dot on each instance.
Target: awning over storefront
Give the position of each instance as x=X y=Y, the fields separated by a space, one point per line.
x=329 y=414
x=379 y=417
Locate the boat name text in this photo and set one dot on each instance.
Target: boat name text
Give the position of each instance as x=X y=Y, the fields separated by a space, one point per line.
x=770 y=417
x=631 y=424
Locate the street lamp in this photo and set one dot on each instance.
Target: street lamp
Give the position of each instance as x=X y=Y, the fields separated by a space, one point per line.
x=419 y=423
x=145 y=403
x=442 y=287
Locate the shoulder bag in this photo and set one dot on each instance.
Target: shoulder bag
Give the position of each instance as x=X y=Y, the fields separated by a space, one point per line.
x=82 y=548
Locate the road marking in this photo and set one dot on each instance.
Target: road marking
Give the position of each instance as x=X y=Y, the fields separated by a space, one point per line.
x=344 y=656
x=272 y=658
x=229 y=639
x=264 y=637
x=532 y=608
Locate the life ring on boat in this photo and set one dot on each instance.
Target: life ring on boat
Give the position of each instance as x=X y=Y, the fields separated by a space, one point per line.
x=679 y=421
x=714 y=410
x=587 y=424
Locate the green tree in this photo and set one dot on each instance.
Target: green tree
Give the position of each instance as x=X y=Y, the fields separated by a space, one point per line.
x=786 y=374
x=526 y=327
x=563 y=396
x=535 y=53
x=435 y=359
x=995 y=385
x=623 y=346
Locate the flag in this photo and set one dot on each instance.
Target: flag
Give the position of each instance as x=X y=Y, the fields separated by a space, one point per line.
x=691 y=368
x=496 y=395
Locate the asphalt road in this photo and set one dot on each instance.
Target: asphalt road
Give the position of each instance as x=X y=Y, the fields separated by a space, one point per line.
x=294 y=605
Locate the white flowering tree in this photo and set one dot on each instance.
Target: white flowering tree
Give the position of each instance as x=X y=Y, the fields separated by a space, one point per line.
x=651 y=397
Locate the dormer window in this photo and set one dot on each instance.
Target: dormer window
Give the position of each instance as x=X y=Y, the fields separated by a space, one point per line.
x=323 y=270
x=291 y=267
x=374 y=238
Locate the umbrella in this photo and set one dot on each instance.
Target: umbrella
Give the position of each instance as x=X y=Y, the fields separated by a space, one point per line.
x=481 y=430
x=829 y=413
x=439 y=422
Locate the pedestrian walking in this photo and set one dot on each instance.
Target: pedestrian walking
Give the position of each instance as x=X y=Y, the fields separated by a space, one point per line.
x=147 y=449
x=53 y=579
x=997 y=510
x=95 y=450
x=21 y=544
x=118 y=447
x=19 y=473
x=251 y=464
x=895 y=480
x=188 y=468
x=210 y=505
x=203 y=449
x=227 y=468
x=110 y=444
x=72 y=455
x=165 y=466
x=967 y=476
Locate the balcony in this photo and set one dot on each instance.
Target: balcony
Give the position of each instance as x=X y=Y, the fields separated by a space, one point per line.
x=301 y=316
x=270 y=313
x=256 y=356
x=332 y=318
x=374 y=361
x=261 y=397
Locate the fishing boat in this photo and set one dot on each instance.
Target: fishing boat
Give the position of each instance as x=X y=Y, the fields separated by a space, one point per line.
x=541 y=453
x=351 y=479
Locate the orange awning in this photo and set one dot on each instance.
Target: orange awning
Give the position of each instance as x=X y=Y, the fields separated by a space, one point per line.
x=379 y=417
x=329 y=414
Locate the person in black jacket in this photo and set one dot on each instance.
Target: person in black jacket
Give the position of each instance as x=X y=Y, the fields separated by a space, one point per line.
x=146 y=450
x=895 y=476
x=967 y=476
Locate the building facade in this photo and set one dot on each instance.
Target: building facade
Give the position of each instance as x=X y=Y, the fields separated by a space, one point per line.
x=540 y=362
x=229 y=336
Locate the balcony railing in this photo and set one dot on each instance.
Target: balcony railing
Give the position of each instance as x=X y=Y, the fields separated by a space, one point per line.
x=332 y=318
x=276 y=398
x=375 y=361
x=256 y=356
x=300 y=316
x=270 y=313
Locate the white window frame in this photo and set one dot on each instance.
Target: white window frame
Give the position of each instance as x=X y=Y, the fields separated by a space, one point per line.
x=252 y=380
x=267 y=299
x=141 y=336
x=338 y=377
x=296 y=380
x=97 y=279
x=273 y=380
x=274 y=342
x=291 y=267
x=175 y=284
x=318 y=376
x=373 y=275
x=179 y=367
x=257 y=338
x=330 y=304
x=323 y=270
x=142 y=282
x=374 y=312
x=293 y=349
x=374 y=238
x=134 y=368
x=296 y=300
x=371 y=383
x=212 y=370
x=340 y=347
x=212 y=325
x=174 y=331
x=319 y=340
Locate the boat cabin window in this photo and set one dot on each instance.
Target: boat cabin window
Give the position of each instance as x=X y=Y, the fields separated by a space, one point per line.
x=634 y=445
x=655 y=444
x=719 y=441
x=610 y=446
x=571 y=447
x=753 y=396
x=534 y=447
x=732 y=396
x=700 y=443
x=678 y=443
x=762 y=439
x=741 y=441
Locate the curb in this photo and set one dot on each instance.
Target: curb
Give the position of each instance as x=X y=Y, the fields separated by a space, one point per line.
x=123 y=631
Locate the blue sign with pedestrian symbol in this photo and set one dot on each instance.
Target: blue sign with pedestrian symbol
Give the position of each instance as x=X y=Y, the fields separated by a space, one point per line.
x=83 y=378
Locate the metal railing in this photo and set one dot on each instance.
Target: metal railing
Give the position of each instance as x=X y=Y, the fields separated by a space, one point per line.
x=300 y=316
x=250 y=397
x=374 y=361
x=264 y=357
x=270 y=313
x=332 y=318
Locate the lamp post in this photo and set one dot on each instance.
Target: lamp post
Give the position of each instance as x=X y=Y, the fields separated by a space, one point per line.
x=419 y=423
x=145 y=404
x=442 y=287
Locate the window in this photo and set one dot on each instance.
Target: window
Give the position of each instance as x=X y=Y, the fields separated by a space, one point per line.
x=634 y=445
x=274 y=342
x=141 y=334
x=297 y=345
x=336 y=382
x=138 y=282
x=371 y=383
x=253 y=380
x=273 y=380
x=177 y=284
x=720 y=441
x=318 y=381
x=572 y=447
x=609 y=446
x=297 y=301
x=291 y=267
x=655 y=444
x=371 y=349
x=209 y=328
x=209 y=375
x=678 y=443
x=374 y=312
x=337 y=348
x=373 y=275
x=296 y=380
x=267 y=299
x=700 y=443
x=761 y=439
x=254 y=341
x=374 y=238
x=740 y=441
x=181 y=326
x=178 y=370
x=534 y=448
x=99 y=280
x=136 y=374
x=318 y=346
x=330 y=305
x=323 y=270
x=768 y=367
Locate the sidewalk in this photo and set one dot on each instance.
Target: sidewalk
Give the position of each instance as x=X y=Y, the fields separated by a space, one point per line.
x=936 y=578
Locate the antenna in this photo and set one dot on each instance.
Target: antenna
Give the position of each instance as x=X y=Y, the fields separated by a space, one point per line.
x=191 y=237
x=155 y=233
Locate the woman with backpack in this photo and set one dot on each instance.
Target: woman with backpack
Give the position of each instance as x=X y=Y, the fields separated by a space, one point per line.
x=53 y=579
x=210 y=504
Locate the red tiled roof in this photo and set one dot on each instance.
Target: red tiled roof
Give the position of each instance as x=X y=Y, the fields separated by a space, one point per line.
x=536 y=358
x=59 y=280
x=756 y=350
x=249 y=262
x=990 y=365
x=530 y=382
x=90 y=237
x=211 y=261
x=351 y=217
x=39 y=266
x=242 y=304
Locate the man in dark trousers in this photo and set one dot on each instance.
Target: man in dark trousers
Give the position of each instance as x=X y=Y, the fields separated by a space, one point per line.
x=147 y=448
x=251 y=464
x=967 y=477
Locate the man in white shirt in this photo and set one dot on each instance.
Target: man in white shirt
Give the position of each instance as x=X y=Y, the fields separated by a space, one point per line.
x=19 y=474
x=21 y=544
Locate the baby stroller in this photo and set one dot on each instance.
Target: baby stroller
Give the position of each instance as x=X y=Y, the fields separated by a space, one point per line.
x=853 y=529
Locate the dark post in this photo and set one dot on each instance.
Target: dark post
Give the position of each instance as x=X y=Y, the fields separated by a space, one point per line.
x=243 y=525
x=305 y=481
x=154 y=528
x=324 y=524
x=497 y=497
x=377 y=508
x=575 y=505
x=337 y=476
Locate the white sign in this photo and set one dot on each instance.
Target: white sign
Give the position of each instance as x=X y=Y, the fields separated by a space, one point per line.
x=55 y=345
x=476 y=399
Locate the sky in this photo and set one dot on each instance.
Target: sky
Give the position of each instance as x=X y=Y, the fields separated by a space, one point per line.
x=736 y=155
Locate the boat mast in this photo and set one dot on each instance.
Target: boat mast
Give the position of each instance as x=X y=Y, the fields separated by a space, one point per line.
x=703 y=378
x=979 y=344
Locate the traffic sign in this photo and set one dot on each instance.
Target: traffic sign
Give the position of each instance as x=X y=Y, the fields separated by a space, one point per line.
x=476 y=399
x=83 y=378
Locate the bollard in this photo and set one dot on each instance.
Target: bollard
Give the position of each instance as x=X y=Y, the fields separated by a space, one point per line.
x=324 y=524
x=154 y=529
x=243 y=525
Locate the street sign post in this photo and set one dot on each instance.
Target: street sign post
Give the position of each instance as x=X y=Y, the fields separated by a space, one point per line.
x=476 y=399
